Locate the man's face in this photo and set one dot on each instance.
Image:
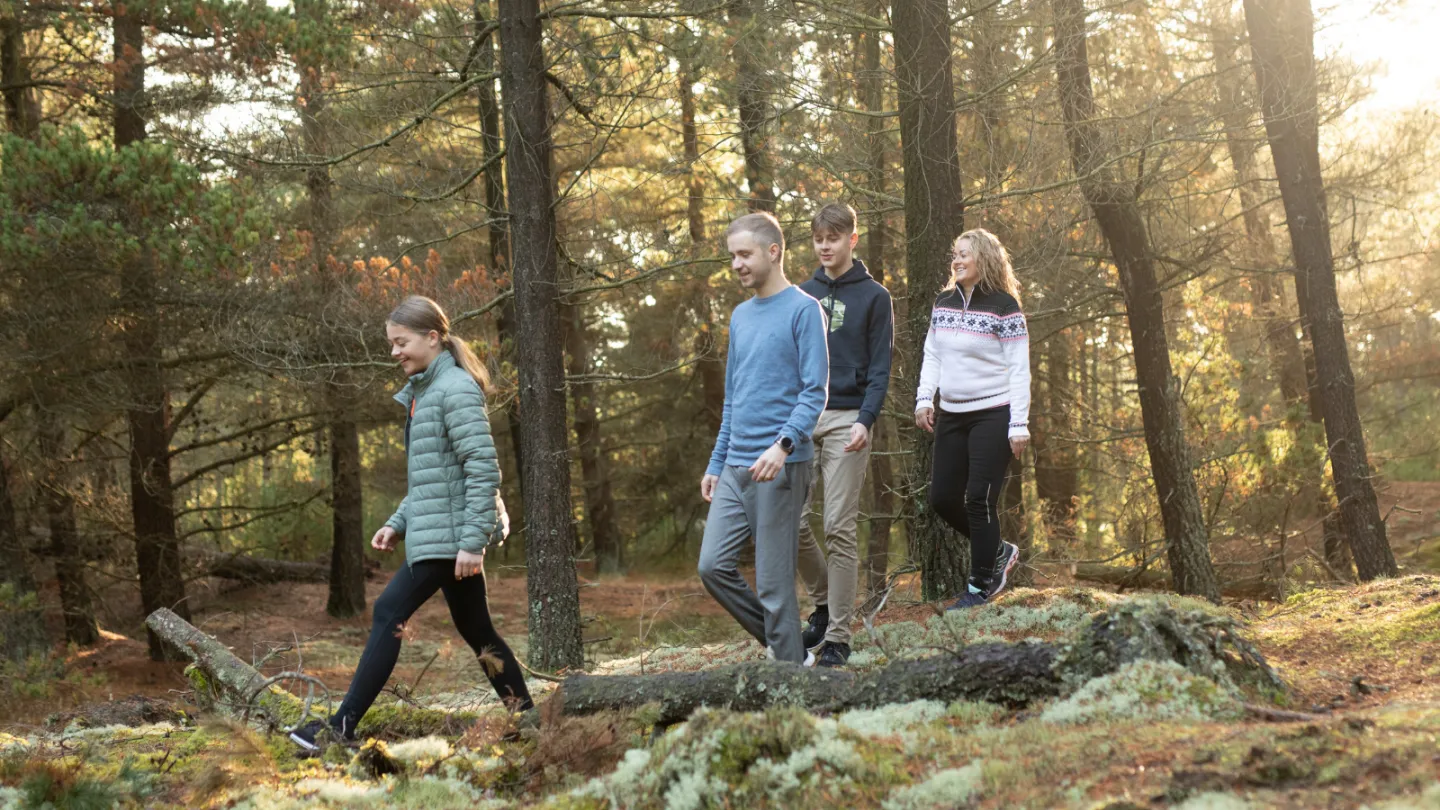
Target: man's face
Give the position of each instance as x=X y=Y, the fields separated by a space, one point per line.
x=834 y=250
x=751 y=262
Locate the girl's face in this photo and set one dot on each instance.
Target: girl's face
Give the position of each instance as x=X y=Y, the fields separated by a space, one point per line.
x=413 y=350
x=964 y=264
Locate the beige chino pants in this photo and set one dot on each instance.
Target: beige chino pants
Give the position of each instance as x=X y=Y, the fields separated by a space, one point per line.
x=832 y=579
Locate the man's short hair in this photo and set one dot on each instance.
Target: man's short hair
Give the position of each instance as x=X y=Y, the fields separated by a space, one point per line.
x=834 y=218
x=764 y=226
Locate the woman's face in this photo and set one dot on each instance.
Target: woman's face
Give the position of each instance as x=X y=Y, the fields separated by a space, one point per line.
x=413 y=350
x=964 y=264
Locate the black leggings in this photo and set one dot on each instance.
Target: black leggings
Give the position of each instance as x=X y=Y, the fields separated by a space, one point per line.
x=972 y=453
x=410 y=588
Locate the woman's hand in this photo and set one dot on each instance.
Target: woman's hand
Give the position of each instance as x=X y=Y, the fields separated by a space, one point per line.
x=384 y=540
x=1018 y=445
x=469 y=565
x=925 y=419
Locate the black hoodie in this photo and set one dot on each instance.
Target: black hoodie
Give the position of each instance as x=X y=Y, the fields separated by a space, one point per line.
x=861 y=334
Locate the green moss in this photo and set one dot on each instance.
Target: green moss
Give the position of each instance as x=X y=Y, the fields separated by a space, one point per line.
x=395 y=721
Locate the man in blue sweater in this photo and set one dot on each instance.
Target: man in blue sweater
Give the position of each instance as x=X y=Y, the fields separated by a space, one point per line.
x=861 y=327
x=759 y=474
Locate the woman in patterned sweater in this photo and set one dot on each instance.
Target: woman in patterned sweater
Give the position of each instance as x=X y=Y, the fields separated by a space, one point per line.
x=977 y=355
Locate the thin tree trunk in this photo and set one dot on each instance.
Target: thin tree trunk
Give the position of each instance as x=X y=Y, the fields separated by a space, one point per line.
x=709 y=350
x=554 y=619
x=152 y=496
x=346 y=597
x=1294 y=372
x=1056 y=477
x=594 y=466
x=749 y=27
x=22 y=108
x=22 y=625
x=1282 y=41
x=59 y=504
x=497 y=233
x=933 y=218
x=1117 y=211
x=877 y=243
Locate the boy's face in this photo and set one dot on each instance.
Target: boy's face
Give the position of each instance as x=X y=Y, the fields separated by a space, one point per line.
x=752 y=263
x=835 y=250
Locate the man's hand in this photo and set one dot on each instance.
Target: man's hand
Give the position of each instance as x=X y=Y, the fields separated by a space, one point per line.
x=469 y=565
x=769 y=464
x=925 y=419
x=384 y=540
x=859 y=438
x=1018 y=445
x=707 y=486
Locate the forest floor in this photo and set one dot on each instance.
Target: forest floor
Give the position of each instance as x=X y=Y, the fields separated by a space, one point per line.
x=1362 y=665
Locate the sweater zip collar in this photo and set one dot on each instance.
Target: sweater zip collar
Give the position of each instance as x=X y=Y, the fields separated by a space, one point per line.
x=419 y=382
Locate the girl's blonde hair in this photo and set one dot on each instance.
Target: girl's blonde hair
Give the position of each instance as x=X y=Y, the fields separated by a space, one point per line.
x=993 y=261
x=421 y=314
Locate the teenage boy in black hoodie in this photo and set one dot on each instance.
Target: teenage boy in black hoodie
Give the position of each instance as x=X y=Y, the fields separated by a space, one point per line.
x=861 y=328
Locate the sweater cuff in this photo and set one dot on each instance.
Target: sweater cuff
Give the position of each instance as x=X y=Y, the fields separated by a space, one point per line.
x=867 y=419
x=1019 y=430
x=923 y=403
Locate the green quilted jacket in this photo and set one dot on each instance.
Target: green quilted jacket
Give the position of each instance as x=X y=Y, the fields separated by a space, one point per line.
x=454 y=476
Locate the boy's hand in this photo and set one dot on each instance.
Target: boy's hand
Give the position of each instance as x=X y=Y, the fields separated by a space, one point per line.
x=859 y=438
x=707 y=486
x=769 y=464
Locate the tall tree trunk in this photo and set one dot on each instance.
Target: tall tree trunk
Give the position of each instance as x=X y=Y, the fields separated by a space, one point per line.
x=749 y=27
x=877 y=243
x=1118 y=213
x=549 y=530
x=346 y=596
x=707 y=347
x=1282 y=40
x=1294 y=372
x=152 y=496
x=497 y=233
x=59 y=504
x=594 y=466
x=933 y=218
x=22 y=626
x=22 y=108
x=1056 y=471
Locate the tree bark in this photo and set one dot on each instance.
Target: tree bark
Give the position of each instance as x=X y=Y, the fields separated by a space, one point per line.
x=1282 y=41
x=1255 y=587
x=1294 y=371
x=1057 y=480
x=22 y=625
x=152 y=496
x=933 y=218
x=497 y=233
x=347 y=548
x=554 y=618
x=594 y=465
x=226 y=676
x=1117 y=211
x=59 y=504
x=748 y=25
x=22 y=108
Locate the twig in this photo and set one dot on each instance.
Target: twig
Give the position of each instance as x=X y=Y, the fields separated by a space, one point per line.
x=1280 y=715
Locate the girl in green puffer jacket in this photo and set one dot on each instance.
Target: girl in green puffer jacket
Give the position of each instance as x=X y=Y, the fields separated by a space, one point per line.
x=451 y=512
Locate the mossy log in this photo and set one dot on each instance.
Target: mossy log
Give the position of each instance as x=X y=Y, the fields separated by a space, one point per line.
x=223 y=678
x=1012 y=675
x=262 y=571
x=1125 y=577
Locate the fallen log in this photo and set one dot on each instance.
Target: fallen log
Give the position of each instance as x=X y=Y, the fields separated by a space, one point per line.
x=260 y=570
x=1012 y=675
x=1009 y=674
x=219 y=676
x=1125 y=577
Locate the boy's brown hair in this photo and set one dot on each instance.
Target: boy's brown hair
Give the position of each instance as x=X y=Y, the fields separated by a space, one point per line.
x=763 y=225
x=834 y=218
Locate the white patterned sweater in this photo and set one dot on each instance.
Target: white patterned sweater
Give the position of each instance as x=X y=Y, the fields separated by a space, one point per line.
x=977 y=353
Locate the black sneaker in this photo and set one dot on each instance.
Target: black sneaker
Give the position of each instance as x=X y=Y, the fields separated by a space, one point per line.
x=1007 y=558
x=814 y=632
x=969 y=599
x=833 y=654
x=312 y=736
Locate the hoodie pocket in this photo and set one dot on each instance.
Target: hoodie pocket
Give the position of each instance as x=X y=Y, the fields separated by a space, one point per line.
x=845 y=381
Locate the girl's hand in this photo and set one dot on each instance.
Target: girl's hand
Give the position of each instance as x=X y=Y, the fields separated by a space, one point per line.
x=925 y=419
x=1018 y=445
x=468 y=565
x=384 y=540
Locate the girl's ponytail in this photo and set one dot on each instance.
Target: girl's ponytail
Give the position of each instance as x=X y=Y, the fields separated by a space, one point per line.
x=466 y=358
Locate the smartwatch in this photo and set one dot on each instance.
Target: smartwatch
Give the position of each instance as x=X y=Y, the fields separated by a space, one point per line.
x=787 y=444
